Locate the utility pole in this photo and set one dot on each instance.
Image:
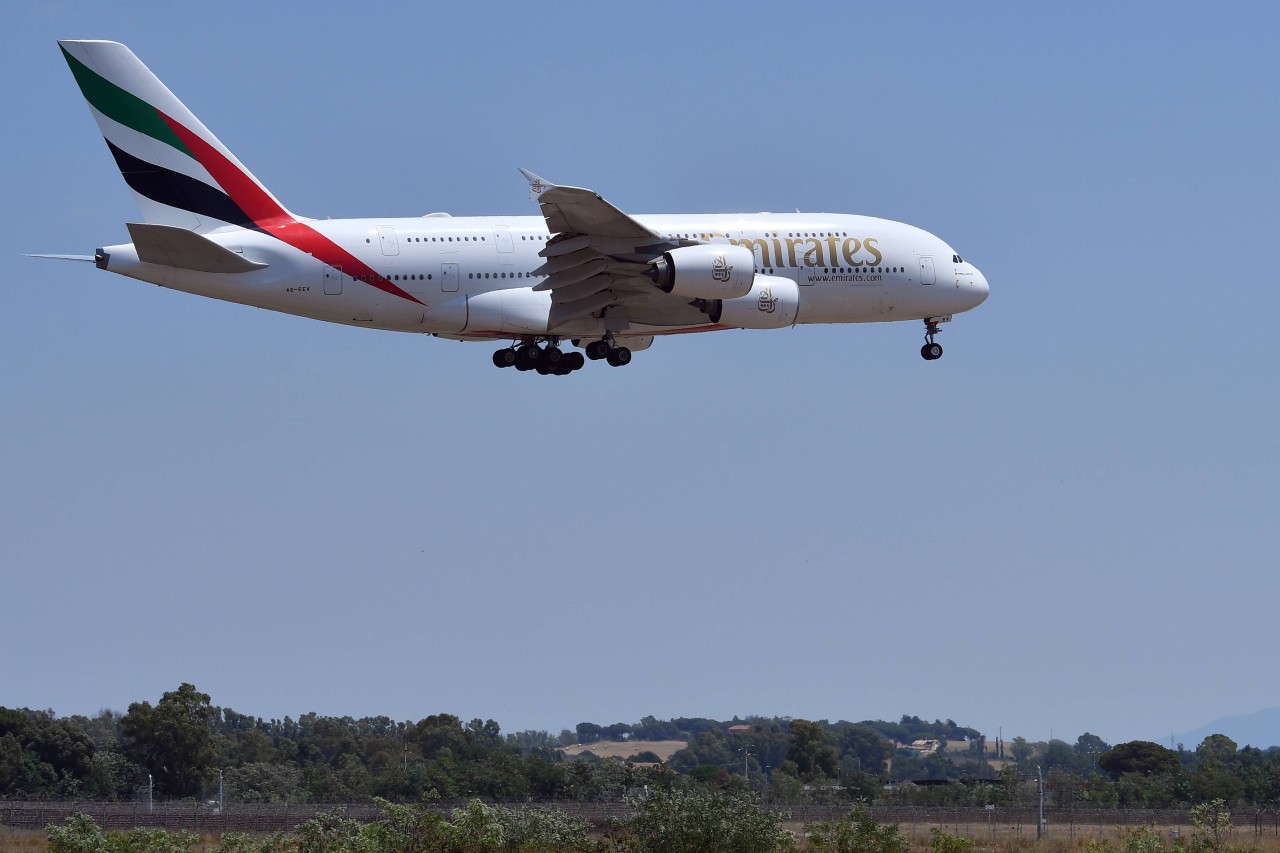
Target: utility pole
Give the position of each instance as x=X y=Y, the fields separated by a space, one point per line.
x=1040 y=793
x=219 y=790
x=151 y=790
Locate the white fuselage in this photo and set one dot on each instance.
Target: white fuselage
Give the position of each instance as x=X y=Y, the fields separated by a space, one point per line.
x=471 y=277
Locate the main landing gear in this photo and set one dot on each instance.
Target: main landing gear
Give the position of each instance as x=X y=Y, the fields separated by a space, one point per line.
x=549 y=360
x=930 y=351
x=602 y=349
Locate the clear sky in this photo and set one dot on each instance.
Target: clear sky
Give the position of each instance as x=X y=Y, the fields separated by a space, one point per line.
x=1068 y=523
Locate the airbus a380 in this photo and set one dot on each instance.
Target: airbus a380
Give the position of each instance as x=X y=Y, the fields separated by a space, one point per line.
x=583 y=272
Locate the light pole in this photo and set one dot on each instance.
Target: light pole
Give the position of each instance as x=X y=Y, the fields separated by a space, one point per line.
x=219 y=790
x=1040 y=795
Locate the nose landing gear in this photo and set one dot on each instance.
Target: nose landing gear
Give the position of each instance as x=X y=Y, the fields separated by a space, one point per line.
x=931 y=350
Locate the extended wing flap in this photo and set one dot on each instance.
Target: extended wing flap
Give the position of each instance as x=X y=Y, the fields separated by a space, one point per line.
x=171 y=246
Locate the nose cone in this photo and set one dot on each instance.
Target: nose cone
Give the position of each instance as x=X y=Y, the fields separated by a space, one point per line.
x=976 y=288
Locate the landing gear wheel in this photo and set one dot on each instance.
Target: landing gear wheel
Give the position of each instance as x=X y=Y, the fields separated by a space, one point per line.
x=597 y=350
x=552 y=356
x=574 y=360
x=504 y=357
x=527 y=357
x=618 y=357
x=931 y=351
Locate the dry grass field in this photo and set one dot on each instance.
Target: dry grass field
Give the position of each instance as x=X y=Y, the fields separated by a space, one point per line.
x=21 y=841
x=29 y=841
x=664 y=749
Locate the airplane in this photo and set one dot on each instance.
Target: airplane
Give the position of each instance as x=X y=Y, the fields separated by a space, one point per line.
x=583 y=273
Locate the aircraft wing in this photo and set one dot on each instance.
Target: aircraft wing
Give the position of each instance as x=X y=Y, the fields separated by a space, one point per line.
x=598 y=261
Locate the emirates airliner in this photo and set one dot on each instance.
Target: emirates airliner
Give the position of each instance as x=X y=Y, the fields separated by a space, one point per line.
x=583 y=273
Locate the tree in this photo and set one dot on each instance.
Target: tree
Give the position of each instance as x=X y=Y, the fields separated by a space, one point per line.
x=1060 y=756
x=174 y=740
x=1139 y=756
x=1216 y=778
x=42 y=755
x=871 y=749
x=809 y=750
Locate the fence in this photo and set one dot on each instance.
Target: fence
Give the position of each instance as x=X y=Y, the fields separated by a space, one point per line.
x=915 y=821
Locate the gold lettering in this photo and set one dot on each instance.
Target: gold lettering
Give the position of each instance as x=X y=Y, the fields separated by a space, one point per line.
x=850 y=251
x=791 y=252
x=777 y=250
x=831 y=244
x=873 y=250
x=813 y=256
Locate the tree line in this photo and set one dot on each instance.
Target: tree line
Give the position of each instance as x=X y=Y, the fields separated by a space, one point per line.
x=185 y=747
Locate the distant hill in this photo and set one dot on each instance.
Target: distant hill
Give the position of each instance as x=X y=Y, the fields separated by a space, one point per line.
x=1260 y=729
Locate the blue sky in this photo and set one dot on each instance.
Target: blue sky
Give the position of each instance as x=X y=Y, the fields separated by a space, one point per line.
x=1066 y=524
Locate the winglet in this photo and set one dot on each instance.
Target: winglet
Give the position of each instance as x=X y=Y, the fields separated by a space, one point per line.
x=537 y=185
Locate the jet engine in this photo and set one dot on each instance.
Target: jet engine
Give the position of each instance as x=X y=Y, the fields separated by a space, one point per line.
x=705 y=272
x=771 y=303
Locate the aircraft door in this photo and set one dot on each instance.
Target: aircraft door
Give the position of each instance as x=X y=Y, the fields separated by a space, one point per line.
x=506 y=246
x=332 y=281
x=926 y=270
x=387 y=237
x=449 y=278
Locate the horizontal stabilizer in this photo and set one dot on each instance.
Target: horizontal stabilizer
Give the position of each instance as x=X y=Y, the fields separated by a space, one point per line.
x=88 y=258
x=170 y=246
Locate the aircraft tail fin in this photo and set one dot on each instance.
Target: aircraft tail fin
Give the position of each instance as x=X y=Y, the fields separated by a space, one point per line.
x=179 y=172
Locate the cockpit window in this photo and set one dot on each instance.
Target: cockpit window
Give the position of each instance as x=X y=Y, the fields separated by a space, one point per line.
x=956 y=259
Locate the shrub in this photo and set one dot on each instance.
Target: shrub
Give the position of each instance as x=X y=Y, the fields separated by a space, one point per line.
x=703 y=822
x=857 y=833
x=945 y=842
x=81 y=834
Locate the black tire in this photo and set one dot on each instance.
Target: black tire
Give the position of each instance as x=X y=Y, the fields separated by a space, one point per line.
x=597 y=350
x=504 y=357
x=575 y=360
x=931 y=352
x=552 y=356
x=545 y=369
x=619 y=357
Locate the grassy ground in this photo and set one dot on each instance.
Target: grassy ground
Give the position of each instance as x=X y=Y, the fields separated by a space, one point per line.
x=21 y=841
x=33 y=841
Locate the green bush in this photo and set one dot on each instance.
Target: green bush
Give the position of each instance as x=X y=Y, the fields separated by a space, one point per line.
x=945 y=842
x=81 y=834
x=703 y=822
x=857 y=833
x=479 y=828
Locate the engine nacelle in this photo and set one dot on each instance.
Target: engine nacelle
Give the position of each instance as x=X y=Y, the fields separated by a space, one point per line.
x=706 y=272
x=772 y=303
